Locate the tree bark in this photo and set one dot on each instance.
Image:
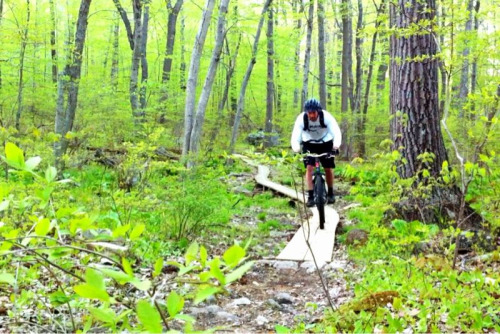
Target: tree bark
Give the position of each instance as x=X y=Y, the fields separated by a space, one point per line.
x=207 y=86
x=415 y=126
x=69 y=81
x=20 y=86
x=346 y=55
x=229 y=75
x=246 y=78
x=116 y=55
x=321 y=53
x=362 y=128
x=307 y=54
x=464 y=77
x=136 y=59
x=473 y=75
x=144 y=59
x=126 y=22
x=173 y=14
x=268 y=128
x=53 y=41
x=182 y=66
x=359 y=65
x=298 y=10
x=194 y=68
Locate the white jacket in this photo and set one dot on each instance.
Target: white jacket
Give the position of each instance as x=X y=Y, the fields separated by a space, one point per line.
x=316 y=132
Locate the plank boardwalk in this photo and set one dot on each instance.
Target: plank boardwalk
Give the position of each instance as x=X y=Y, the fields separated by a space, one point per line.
x=321 y=241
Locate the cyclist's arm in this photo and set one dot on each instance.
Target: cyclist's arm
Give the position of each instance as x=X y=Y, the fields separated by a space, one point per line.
x=297 y=133
x=334 y=129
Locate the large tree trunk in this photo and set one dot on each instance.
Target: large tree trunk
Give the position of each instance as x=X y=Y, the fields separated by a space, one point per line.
x=268 y=128
x=182 y=65
x=69 y=81
x=415 y=127
x=464 y=77
x=359 y=65
x=362 y=128
x=321 y=53
x=194 y=68
x=346 y=79
x=144 y=59
x=20 y=86
x=136 y=60
x=307 y=54
x=246 y=78
x=473 y=75
x=53 y=40
x=212 y=70
x=173 y=14
x=115 y=59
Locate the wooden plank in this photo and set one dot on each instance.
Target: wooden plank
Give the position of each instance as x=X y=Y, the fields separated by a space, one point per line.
x=322 y=242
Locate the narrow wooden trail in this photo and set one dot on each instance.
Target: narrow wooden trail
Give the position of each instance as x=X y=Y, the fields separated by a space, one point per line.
x=321 y=242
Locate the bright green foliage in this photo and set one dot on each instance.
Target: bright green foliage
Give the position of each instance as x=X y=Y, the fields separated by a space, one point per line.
x=49 y=230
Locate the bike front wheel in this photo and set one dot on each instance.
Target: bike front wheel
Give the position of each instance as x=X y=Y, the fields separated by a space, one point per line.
x=320 y=199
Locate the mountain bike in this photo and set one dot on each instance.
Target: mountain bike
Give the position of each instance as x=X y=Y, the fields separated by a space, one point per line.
x=319 y=186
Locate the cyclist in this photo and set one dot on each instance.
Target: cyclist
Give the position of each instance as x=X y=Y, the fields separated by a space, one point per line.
x=318 y=132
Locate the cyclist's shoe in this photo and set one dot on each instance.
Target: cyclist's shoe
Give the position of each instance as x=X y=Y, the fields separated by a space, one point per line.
x=331 y=199
x=310 y=202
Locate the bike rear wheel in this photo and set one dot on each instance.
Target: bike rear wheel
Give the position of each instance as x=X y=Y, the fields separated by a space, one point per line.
x=320 y=199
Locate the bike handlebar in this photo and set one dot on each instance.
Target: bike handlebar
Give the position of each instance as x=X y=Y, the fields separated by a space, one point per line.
x=326 y=154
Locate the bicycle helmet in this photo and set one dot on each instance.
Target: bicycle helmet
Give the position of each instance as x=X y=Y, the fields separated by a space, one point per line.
x=312 y=104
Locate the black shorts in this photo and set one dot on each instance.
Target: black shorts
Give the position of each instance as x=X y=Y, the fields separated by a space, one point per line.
x=319 y=148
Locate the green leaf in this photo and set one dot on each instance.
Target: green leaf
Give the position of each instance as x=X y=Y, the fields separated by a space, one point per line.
x=191 y=252
x=120 y=231
x=137 y=231
x=14 y=155
x=204 y=293
x=7 y=278
x=91 y=292
x=216 y=272
x=233 y=255
x=103 y=314
x=141 y=285
x=42 y=227
x=185 y=317
x=239 y=272
x=94 y=278
x=32 y=163
x=127 y=267
x=59 y=298
x=50 y=174
x=282 y=329
x=149 y=317
x=175 y=304
x=118 y=276
x=158 y=267
x=203 y=256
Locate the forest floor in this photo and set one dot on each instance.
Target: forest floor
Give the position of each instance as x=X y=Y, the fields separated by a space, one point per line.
x=273 y=292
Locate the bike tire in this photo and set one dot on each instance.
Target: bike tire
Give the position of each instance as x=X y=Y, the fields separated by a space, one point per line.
x=319 y=191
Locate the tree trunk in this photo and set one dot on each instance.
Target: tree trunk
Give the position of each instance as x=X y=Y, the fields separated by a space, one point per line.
x=126 y=22
x=116 y=55
x=20 y=86
x=207 y=86
x=229 y=75
x=298 y=10
x=346 y=55
x=173 y=14
x=362 y=128
x=307 y=54
x=144 y=59
x=136 y=60
x=415 y=127
x=359 y=65
x=1 y=16
x=268 y=128
x=246 y=78
x=473 y=75
x=69 y=80
x=321 y=53
x=464 y=77
x=194 y=68
x=182 y=66
x=53 y=41
x=442 y=69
